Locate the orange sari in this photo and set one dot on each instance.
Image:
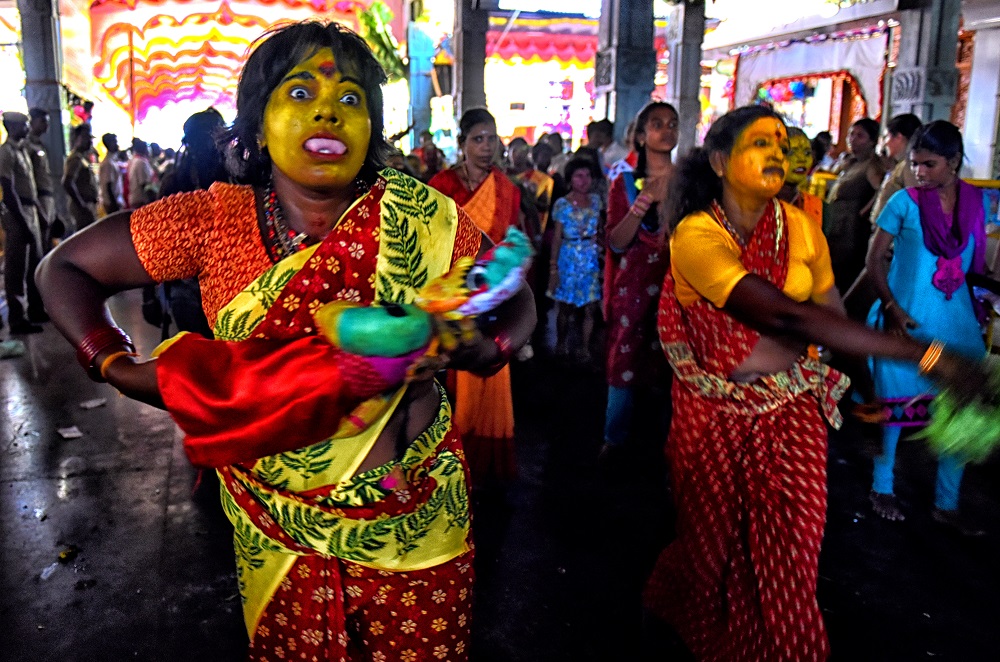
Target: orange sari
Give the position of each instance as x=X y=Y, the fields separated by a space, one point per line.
x=484 y=406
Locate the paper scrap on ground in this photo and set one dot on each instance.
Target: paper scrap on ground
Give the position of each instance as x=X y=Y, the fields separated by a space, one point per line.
x=11 y=348
x=72 y=432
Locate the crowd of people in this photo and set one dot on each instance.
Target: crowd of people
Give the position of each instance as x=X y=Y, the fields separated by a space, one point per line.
x=96 y=184
x=717 y=291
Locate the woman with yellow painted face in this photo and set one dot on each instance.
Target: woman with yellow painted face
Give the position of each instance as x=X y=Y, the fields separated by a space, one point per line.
x=800 y=161
x=749 y=287
x=346 y=487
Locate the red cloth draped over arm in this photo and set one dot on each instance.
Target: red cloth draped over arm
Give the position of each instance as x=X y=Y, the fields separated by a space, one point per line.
x=240 y=401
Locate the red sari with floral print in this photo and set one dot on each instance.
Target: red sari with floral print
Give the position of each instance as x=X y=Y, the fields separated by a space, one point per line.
x=323 y=607
x=748 y=466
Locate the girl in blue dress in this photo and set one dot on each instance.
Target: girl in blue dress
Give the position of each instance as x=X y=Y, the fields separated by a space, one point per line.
x=575 y=269
x=938 y=231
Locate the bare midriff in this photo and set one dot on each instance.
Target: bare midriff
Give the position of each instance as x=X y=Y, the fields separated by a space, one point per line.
x=416 y=412
x=770 y=355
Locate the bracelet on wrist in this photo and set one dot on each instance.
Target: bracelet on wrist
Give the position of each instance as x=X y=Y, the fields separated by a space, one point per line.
x=111 y=358
x=505 y=350
x=931 y=356
x=98 y=341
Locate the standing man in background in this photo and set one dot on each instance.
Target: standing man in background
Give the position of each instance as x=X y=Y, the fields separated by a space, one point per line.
x=38 y=125
x=109 y=177
x=22 y=244
x=78 y=179
x=559 y=156
x=601 y=135
x=142 y=178
x=895 y=147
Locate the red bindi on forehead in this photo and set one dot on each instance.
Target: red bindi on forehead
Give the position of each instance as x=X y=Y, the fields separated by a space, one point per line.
x=328 y=68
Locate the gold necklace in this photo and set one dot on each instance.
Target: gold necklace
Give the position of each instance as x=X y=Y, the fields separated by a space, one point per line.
x=468 y=177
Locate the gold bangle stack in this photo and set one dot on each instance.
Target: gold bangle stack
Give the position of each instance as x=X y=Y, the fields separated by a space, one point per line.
x=931 y=356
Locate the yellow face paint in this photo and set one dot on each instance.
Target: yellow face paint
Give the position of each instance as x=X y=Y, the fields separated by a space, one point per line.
x=316 y=126
x=800 y=159
x=756 y=167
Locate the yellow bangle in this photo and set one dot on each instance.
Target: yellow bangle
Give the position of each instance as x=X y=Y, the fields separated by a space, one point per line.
x=106 y=363
x=931 y=356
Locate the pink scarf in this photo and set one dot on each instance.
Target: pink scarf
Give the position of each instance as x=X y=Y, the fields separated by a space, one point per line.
x=947 y=237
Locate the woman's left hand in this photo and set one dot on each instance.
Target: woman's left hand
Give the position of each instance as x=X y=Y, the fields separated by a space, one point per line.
x=427 y=366
x=462 y=345
x=898 y=321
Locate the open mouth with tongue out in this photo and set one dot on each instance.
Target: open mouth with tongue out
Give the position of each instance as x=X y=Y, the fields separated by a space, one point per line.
x=325 y=146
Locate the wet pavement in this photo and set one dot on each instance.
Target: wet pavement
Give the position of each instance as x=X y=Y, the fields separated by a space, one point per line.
x=110 y=548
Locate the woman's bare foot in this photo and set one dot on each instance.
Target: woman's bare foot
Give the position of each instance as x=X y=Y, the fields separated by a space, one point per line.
x=886 y=506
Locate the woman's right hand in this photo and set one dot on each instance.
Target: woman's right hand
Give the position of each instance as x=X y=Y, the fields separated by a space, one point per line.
x=897 y=321
x=135 y=379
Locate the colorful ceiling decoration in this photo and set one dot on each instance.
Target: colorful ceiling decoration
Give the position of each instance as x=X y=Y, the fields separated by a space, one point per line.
x=150 y=53
x=566 y=40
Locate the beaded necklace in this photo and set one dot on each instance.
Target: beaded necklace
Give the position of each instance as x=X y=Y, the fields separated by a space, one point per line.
x=720 y=216
x=282 y=237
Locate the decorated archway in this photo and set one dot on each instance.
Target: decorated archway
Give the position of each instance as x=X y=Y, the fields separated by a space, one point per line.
x=826 y=100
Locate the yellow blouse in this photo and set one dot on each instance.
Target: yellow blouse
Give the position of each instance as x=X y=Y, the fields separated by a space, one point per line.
x=705 y=259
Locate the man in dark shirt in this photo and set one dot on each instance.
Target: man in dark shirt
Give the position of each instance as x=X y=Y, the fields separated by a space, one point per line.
x=38 y=125
x=22 y=245
x=78 y=178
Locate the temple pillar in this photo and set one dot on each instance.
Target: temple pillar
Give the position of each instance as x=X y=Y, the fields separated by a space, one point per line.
x=471 y=24
x=626 y=61
x=686 y=30
x=40 y=45
x=420 y=49
x=925 y=79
